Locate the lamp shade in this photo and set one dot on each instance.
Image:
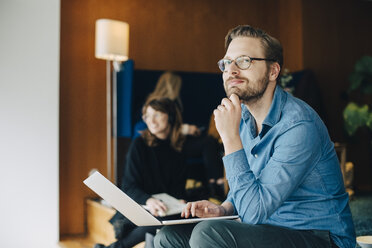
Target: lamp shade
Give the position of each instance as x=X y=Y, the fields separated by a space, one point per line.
x=112 y=40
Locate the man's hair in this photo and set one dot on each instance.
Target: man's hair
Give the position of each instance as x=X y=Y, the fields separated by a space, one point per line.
x=169 y=107
x=272 y=47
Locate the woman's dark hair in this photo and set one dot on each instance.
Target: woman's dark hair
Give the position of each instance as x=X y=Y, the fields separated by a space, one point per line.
x=169 y=107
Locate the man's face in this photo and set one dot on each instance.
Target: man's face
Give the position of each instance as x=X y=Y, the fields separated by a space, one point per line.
x=249 y=84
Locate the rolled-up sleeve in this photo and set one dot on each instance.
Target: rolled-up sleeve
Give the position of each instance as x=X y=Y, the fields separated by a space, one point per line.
x=256 y=197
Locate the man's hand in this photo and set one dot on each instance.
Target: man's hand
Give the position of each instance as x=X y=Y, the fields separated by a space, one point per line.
x=203 y=209
x=227 y=117
x=156 y=207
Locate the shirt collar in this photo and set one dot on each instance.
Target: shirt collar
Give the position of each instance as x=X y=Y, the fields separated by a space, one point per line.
x=275 y=111
x=276 y=107
x=245 y=112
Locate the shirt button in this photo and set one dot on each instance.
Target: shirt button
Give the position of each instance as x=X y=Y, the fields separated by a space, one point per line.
x=256 y=155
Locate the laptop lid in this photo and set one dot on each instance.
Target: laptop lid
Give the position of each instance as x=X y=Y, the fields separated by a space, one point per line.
x=131 y=209
x=120 y=201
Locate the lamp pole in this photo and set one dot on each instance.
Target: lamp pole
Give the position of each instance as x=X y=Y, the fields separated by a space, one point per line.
x=108 y=118
x=116 y=66
x=112 y=43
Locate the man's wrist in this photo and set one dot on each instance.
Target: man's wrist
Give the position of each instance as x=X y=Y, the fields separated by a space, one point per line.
x=232 y=145
x=223 y=211
x=227 y=208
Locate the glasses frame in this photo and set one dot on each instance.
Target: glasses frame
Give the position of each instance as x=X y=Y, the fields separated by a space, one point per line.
x=234 y=60
x=157 y=116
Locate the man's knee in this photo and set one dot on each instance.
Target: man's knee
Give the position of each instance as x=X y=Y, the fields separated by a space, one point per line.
x=209 y=234
x=172 y=236
x=160 y=239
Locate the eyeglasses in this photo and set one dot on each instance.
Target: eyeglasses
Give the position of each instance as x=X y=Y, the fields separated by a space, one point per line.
x=242 y=62
x=156 y=116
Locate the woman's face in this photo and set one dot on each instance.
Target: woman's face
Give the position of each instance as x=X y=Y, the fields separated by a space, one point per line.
x=157 y=122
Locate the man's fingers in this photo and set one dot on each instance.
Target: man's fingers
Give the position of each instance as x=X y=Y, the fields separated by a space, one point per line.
x=199 y=208
x=221 y=107
x=186 y=211
x=226 y=103
x=195 y=206
x=206 y=210
x=235 y=99
x=193 y=209
x=229 y=103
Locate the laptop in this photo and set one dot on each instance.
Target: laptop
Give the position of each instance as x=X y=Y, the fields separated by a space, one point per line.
x=131 y=209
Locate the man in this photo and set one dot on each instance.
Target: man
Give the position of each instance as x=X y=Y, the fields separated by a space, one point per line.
x=283 y=173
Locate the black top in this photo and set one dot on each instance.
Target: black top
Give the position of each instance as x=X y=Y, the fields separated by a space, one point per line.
x=151 y=170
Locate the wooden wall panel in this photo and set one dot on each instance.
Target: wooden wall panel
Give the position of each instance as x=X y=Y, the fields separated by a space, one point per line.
x=336 y=35
x=164 y=34
x=290 y=26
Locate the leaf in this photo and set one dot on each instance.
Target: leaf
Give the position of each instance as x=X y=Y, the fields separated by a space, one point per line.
x=355 y=117
x=366 y=86
x=369 y=121
x=364 y=64
x=355 y=80
x=361 y=77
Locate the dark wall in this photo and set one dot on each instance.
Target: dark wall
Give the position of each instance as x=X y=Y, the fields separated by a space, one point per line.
x=200 y=94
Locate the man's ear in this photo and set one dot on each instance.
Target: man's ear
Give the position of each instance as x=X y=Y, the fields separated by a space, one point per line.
x=274 y=71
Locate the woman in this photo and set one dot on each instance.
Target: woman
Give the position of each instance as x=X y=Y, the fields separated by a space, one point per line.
x=154 y=165
x=202 y=151
x=168 y=85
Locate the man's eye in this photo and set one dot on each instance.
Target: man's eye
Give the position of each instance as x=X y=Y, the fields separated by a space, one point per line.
x=243 y=60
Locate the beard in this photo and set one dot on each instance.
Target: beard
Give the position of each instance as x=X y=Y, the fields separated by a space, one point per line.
x=248 y=92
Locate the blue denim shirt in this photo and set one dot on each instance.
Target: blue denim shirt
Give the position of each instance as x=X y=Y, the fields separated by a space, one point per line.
x=289 y=175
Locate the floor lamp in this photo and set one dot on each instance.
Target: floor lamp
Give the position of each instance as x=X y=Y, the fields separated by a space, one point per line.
x=112 y=43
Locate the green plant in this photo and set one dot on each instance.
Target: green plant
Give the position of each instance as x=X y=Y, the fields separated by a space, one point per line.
x=359 y=114
x=285 y=81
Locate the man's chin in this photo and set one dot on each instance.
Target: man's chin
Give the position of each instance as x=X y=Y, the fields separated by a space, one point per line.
x=233 y=91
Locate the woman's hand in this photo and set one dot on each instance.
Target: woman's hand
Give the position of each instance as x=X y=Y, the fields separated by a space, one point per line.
x=156 y=207
x=188 y=129
x=203 y=209
x=194 y=130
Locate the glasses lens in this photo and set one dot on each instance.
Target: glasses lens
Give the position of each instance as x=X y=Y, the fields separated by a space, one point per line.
x=221 y=65
x=243 y=62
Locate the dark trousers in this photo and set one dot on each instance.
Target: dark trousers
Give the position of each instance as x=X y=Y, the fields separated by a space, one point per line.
x=135 y=236
x=230 y=234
